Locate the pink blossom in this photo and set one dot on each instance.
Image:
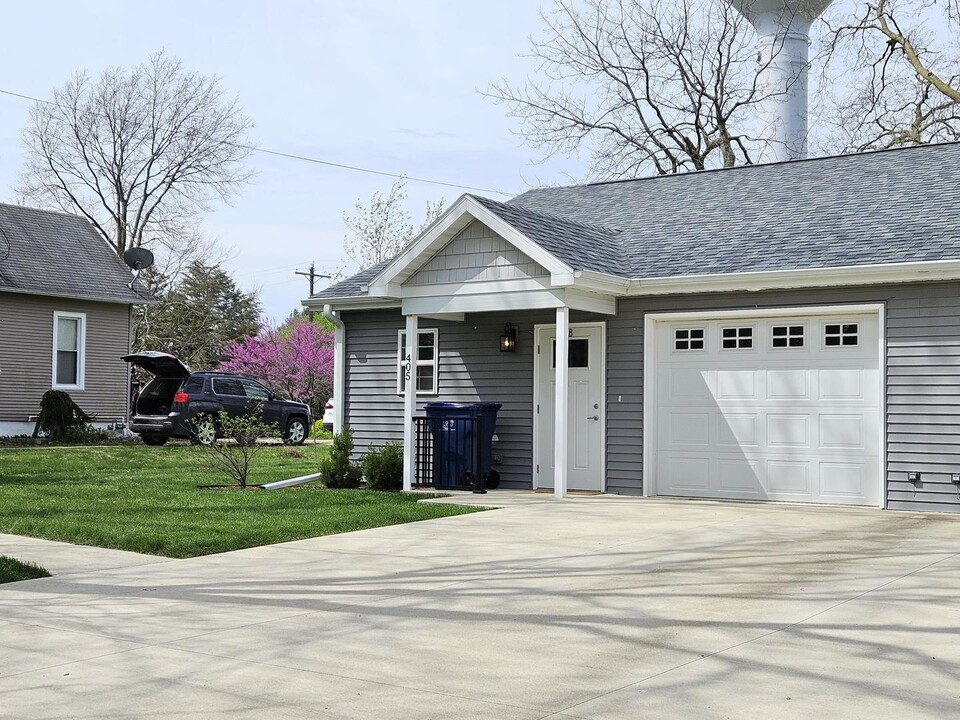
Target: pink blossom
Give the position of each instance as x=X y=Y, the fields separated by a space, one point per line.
x=294 y=360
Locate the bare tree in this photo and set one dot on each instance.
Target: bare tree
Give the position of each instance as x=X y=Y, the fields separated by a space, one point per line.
x=667 y=85
x=891 y=74
x=141 y=153
x=383 y=227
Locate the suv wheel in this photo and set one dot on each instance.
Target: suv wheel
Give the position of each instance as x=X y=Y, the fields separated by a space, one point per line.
x=296 y=431
x=154 y=439
x=205 y=431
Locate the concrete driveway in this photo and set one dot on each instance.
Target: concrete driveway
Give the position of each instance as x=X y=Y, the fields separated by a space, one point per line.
x=599 y=607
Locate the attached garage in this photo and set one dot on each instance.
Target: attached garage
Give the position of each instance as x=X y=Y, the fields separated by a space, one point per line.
x=779 y=405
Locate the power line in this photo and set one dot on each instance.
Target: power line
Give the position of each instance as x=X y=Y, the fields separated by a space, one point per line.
x=316 y=161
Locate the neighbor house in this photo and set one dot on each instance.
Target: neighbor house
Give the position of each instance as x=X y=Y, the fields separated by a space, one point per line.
x=65 y=317
x=785 y=332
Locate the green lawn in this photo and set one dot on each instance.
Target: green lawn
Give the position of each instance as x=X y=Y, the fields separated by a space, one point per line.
x=146 y=499
x=12 y=570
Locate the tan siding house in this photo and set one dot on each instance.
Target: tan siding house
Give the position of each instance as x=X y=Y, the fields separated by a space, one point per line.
x=65 y=311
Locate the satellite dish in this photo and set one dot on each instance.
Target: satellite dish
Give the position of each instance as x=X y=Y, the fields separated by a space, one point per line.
x=138 y=258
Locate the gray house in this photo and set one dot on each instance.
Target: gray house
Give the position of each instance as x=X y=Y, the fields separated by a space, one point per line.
x=65 y=311
x=783 y=332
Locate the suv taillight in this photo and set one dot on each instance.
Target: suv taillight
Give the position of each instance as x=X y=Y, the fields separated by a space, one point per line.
x=181 y=397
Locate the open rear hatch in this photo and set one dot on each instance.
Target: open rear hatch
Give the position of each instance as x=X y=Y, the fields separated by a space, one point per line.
x=159 y=364
x=169 y=374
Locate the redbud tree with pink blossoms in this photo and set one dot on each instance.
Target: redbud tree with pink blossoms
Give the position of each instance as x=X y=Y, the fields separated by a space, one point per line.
x=294 y=360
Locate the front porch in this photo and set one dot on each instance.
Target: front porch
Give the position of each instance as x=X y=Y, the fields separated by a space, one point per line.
x=536 y=441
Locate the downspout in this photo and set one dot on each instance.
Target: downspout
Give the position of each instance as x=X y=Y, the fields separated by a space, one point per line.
x=339 y=366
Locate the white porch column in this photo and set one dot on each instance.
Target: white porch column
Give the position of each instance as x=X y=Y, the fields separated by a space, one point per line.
x=561 y=421
x=339 y=368
x=409 y=402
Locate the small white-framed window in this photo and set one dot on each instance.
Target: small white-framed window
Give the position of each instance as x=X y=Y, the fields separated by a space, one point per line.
x=787 y=336
x=841 y=334
x=69 y=341
x=688 y=339
x=424 y=369
x=736 y=338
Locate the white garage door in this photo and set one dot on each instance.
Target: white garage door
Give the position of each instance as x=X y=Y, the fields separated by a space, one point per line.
x=769 y=408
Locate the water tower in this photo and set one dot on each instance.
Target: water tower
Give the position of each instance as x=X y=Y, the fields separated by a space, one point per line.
x=783 y=47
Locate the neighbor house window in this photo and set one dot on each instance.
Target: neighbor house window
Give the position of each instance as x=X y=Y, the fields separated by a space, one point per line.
x=69 y=334
x=846 y=334
x=688 y=339
x=424 y=366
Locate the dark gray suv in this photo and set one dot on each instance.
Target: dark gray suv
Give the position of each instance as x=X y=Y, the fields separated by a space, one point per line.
x=183 y=404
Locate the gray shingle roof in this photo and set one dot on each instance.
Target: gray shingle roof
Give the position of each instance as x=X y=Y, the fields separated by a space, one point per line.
x=54 y=253
x=885 y=207
x=353 y=285
x=578 y=243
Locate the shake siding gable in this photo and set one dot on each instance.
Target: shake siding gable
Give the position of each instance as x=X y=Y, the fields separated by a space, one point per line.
x=26 y=355
x=477 y=254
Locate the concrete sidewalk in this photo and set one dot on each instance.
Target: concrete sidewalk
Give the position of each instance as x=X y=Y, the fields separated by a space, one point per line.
x=61 y=558
x=590 y=608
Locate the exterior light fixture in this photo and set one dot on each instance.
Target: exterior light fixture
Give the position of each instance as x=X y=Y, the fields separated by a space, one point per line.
x=508 y=341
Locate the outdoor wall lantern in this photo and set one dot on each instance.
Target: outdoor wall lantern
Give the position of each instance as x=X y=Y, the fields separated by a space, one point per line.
x=508 y=341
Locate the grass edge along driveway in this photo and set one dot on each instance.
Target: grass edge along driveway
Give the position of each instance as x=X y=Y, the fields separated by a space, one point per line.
x=13 y=570
x=146 y=500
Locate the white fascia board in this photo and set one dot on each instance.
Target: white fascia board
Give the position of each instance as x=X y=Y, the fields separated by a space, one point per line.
x=592 y=281
x=355 y=302
x=928 y=271
x=458 y=216
x=499 y=302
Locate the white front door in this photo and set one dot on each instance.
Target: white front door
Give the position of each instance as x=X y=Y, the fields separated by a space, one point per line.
x=585 y=409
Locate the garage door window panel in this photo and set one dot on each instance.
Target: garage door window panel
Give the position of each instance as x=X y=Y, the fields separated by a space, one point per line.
x=787 y=336
x=841 y=335
x=736 y=338
x=685 y=339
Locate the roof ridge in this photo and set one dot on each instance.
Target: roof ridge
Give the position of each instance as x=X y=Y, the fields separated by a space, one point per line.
x=43 y=210
x=744 y=167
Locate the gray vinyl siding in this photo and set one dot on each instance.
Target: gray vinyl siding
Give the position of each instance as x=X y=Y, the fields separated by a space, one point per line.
x=26 y=355
x=922 y=370
x=477 y=254
x=922 y=377
x=471 y=369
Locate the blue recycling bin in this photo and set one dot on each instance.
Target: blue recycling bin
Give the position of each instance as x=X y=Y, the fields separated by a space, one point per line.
x=463 y=444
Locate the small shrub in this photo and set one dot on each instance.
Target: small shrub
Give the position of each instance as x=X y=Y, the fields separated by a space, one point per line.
x=336 y=469
x=383 y=468
x=319 y=432
x=59 y=416
x=233 y=454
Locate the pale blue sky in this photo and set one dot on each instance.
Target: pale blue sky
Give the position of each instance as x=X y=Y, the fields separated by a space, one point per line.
x=388 y=85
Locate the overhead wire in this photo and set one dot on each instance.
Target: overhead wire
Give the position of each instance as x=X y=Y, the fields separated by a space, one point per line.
x=317 y=161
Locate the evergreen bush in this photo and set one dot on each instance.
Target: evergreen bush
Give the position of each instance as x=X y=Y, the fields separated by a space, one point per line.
x=336 y=469
x=383 y=468
x=60 y=417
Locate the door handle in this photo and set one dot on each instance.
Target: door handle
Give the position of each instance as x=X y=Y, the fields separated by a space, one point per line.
x=593 y=417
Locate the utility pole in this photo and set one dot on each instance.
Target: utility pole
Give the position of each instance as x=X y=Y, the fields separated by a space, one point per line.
x=312 y=275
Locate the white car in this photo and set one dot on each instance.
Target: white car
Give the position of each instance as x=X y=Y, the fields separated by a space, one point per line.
x=328 y=415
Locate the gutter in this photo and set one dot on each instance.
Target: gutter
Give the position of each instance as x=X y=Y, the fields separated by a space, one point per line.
x=339 y=366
